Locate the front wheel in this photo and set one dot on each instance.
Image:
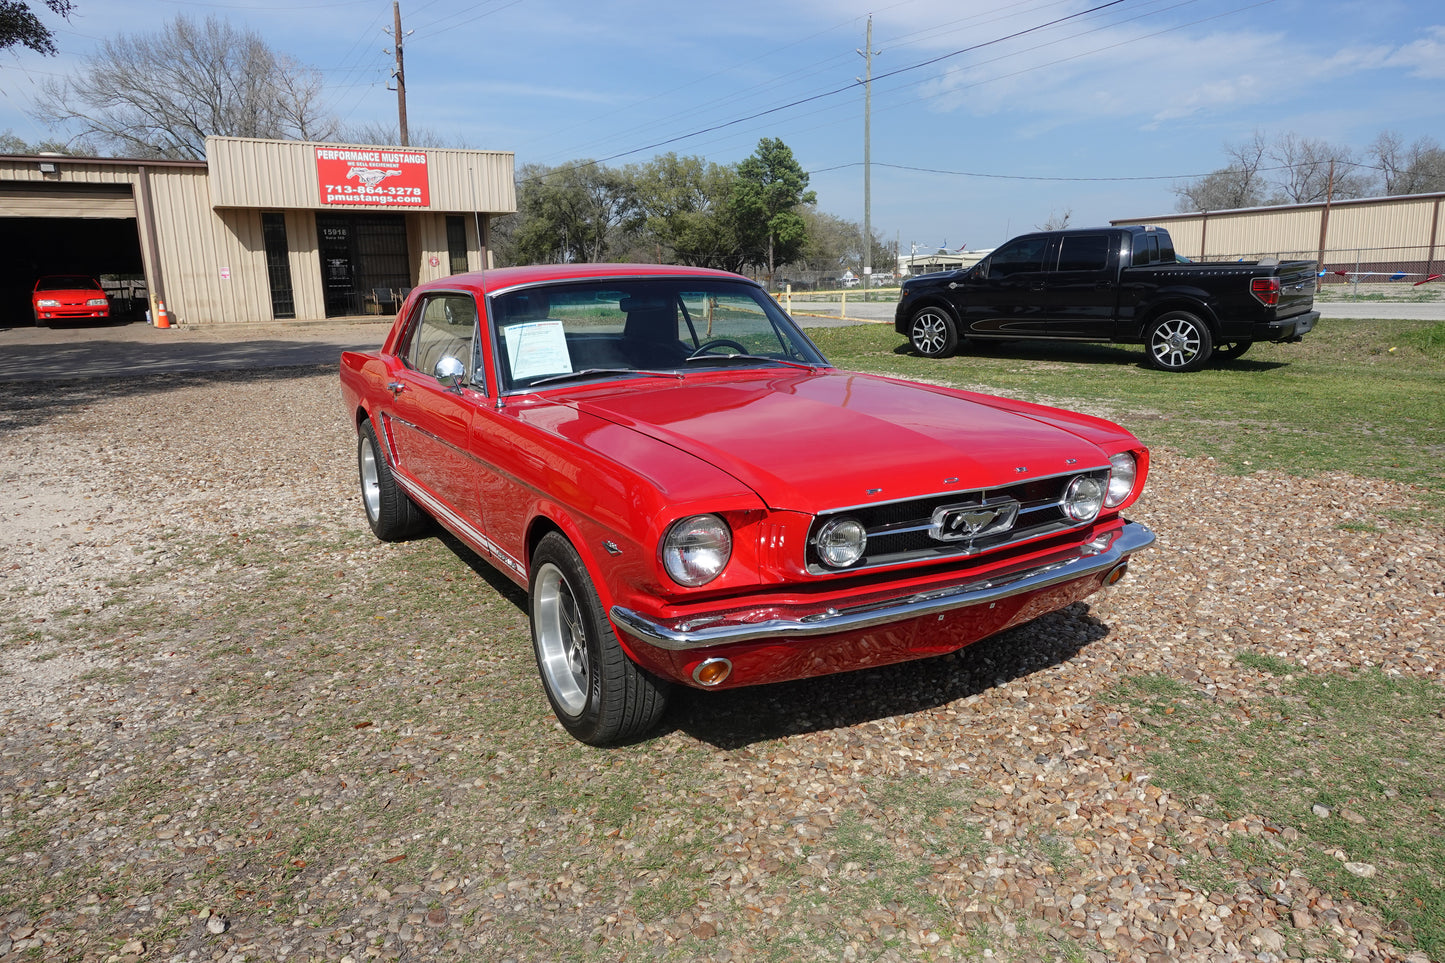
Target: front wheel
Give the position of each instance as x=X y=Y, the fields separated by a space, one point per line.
x=933 y=333
x=598 y=694
x=1179 y=341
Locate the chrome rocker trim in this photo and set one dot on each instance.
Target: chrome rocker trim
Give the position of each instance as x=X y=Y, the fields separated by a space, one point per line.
x=1091 y=559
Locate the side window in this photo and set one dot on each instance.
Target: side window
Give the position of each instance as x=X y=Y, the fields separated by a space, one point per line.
x=1016 y=257
x=1146 y=249
x=445 y=326
x=1084 y=252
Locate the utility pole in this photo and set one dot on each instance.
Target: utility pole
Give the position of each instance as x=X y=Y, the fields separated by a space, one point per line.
x=867 y=53
x=399 y=73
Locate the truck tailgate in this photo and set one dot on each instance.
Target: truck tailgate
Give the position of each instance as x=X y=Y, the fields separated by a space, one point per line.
x=1297 y=288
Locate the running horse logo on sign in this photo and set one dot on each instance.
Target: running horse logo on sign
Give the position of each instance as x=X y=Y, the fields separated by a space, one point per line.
x=371 y=176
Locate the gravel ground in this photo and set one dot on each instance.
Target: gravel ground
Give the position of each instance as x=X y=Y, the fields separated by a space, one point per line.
x=142 y=784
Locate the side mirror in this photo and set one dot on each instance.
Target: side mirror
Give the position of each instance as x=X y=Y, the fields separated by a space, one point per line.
x=450 y=372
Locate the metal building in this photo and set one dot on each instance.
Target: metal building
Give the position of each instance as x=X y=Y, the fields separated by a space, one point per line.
x=261 y=230
x=1377 y=238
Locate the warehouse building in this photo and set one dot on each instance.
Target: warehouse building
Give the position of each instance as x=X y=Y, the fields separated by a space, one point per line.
x=1375 y=239
x=259 y=231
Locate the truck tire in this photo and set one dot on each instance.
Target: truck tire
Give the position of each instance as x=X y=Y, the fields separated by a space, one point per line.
x=933 y=332
x=1179 y=341
x=1231 y=350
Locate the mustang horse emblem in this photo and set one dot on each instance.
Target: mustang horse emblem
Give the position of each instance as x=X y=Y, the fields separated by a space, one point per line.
x=371 y=176
x=953 y=523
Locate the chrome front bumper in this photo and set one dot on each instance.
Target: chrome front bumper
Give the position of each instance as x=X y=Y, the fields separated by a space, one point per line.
x=700 y=632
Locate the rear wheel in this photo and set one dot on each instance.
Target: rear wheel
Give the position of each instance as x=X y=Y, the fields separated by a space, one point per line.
x=933 y=332
x=1179 y=341
x=390 y=512
x=598 y=694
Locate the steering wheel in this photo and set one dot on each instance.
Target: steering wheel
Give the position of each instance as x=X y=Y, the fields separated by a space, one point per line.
x=707 y=346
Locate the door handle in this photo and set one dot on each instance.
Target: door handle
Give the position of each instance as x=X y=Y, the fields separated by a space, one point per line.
x=396 y=388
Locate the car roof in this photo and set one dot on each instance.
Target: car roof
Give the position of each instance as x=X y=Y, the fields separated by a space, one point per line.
x=499 y=279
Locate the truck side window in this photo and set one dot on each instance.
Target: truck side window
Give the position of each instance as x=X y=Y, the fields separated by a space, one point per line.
x=1084 y=252
x=1146 y=249
x=1016 y=257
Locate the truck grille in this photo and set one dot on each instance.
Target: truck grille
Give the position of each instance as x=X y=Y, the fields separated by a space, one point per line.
x=957 y=524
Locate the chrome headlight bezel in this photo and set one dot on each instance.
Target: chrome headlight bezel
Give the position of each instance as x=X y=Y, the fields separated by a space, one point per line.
x=1123 y=475
x=841 y=542
x=1084 y=498
x=696 y=549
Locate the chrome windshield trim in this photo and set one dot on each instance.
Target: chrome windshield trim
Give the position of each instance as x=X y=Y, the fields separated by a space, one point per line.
x=1089 y=559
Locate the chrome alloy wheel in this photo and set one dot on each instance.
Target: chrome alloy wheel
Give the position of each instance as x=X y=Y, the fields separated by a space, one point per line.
x=561 y=640
x=370 y=480
x=930 y=332
x=1176 y=343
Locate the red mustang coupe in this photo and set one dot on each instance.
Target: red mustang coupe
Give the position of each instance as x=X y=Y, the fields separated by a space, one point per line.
x=61 y=297
x=692 y=495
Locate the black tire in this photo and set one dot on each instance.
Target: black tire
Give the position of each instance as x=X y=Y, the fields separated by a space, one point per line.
x=1179 y=341
x=933 y=333
x=390 y=512
x=1232 y=349
x=598 y=694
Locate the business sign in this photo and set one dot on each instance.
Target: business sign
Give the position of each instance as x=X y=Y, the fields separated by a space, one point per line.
x=372 y=178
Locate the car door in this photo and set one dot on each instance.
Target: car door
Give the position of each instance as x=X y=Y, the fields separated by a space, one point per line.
x=429 y=421
x=1000 y=297
x=1079 y=291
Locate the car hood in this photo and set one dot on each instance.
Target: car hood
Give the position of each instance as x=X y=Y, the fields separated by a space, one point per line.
x=812 y=441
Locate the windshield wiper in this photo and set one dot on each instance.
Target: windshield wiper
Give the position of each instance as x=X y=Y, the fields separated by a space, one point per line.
x=709 y=356
x=595 y=372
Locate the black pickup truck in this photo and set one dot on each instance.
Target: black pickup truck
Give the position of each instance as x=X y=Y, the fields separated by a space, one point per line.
x=1121 y=284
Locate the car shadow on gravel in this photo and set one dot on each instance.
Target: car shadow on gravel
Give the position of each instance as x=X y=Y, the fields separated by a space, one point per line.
x=30 y=404
x=736 y=718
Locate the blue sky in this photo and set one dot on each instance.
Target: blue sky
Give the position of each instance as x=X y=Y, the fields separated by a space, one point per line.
x=986 y=120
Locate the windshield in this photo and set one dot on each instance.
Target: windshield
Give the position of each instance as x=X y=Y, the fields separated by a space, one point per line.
x=69 y=282
x=637 y=326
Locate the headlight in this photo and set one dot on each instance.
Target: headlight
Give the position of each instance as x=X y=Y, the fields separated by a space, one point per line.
x=1083 y=498
x=1121 y=478
x=96 y=303
x=696 y=549
x=841 y=542
x=47 y=303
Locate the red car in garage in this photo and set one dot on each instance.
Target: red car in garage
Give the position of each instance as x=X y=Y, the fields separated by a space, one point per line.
x=691 y=495
x=63 y=297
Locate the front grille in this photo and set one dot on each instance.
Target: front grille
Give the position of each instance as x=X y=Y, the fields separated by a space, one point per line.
x=909 y=531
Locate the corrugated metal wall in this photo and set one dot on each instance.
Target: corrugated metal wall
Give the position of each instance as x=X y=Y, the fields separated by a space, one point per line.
x=1406 y=225
x=282 y=174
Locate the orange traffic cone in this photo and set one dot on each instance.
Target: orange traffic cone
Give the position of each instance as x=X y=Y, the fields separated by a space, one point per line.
x=163 y=317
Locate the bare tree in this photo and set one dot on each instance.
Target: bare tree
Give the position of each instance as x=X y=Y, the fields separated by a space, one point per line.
x=213 y=79
x=1241 y=184
x=1417 y=169
x=1314 y=170
x=1056 y=221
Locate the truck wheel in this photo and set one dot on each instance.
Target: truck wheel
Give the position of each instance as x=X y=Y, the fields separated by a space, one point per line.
x=933 y=333
x=1179 y=341
x=1232 y=350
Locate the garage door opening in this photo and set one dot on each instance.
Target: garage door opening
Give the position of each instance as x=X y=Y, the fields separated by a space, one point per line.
x=104 y=248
